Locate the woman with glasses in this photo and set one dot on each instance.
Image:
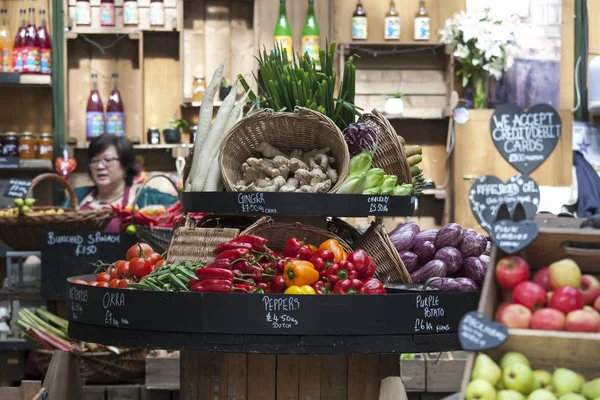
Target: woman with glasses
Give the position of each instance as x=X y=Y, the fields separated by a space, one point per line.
x=111 y=162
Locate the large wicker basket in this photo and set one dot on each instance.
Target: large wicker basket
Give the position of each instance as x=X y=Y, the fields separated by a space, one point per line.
x=305 y=129
x=390 y=153
x=103 y=367
x=389 y=266
x=278 y=233
x=23 y=233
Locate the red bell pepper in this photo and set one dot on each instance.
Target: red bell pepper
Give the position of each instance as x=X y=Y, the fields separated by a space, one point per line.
x=277 y=284
x=193 y=282
x=322 y=260
x=214 y=273
x=348 y=286
x=221 y=263
x=281 y=263
x=341 y=271
x=372 y=286
x=304 y=253
x=321 y=287
x=292 y=246
x=364 y=264
x=234 y=254
x=230 y=246
x=258 y=243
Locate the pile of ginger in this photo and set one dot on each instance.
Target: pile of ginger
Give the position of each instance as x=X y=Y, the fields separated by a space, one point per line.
x=310 y=172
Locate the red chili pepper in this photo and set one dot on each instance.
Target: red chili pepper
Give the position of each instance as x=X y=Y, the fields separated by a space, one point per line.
x=230 y=246
x=348 y=286
x=242 y=265
x=322 y=260
x=341 y=271
x=222 y=263
x=233 y=254
x=364 y=264
x=304 y=253
x=372 y=286
x=241 y=288
x=261 y=287
x=258 y=243
x=213 y=285
x=257 y=273
x=321 y=287
x=291 y=247
x=193 y=282
x=214 y=273
x=277 y=284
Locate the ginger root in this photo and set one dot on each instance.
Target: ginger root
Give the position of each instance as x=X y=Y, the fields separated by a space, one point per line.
x=322 y=187
x=303 y=177
x=290 y=186
x=264 y=166
x=306 y=189
x=268 y=150
x=332 y=175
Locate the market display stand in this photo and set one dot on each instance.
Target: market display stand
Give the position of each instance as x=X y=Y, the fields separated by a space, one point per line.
x=275 y=346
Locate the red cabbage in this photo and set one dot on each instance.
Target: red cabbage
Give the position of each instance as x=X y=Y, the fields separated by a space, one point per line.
x=360 y=137
x=451 y=257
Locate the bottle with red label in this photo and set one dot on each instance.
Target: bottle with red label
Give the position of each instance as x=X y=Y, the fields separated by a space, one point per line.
x=94 y=115
x=31 y=47
x=107 y=13
x=115 y=113
x=19 y=40
x=45 y=45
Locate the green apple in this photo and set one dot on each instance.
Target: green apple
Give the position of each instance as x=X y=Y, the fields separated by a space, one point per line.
x=509 y=395
x=500 y=385
x=543 y=377
x=571 y=396
x=518 y=377
x=486 y=368
x=541 y=394
x=480 y=389
x=513 y=357
x=591 y=389
x=566 y=381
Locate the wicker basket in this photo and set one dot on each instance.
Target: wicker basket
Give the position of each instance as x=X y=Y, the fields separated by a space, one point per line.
x=390 y=153
x=104 y=367
x=240 y=222
x=192 y=244
x=305 y=130
x=344 y=230
x=23 y=233
x=279 y=233
x=389 y=265
x=158 y=237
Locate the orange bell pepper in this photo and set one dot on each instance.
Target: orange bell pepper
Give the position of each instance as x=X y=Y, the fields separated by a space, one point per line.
x=312 y=247
x=336 y=248
x=300 y=273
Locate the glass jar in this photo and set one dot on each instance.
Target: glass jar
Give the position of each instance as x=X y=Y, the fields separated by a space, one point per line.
x=198 y=89
x=45 y=146
x=10 y=144
x=26 y=146
x=153 y=135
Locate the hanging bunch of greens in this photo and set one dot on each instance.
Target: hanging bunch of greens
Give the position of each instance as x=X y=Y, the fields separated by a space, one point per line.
x=285 y=84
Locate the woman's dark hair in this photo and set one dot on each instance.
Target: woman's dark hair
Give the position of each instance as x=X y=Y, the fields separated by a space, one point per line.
x=124 y=150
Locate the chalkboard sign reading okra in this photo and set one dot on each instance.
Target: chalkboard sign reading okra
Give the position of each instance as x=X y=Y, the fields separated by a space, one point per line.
x=525 y=138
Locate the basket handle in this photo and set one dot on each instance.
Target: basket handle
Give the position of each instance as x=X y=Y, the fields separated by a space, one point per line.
x=137 y=195
x=307 y=112
x=59 y=179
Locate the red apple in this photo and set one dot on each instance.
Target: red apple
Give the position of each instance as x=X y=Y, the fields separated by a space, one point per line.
x=567 y=299
x=541 y=277
x=590 y=288
x=593 y=311
x=515 y=316
x=548 y=319
x=530 y=294
x=510 y=271
x=501 y=307
x=564 y=273
x=549 y=297
x=597 y=304
x=582 y=321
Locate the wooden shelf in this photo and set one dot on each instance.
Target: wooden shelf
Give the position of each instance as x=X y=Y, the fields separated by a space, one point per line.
x=13 y=78
x=74 y=34
x=392 y=43
x=148 y=146
x=20 y=294
x=14 y=164
x=189 y=103
x=421 y=113
x=439 y=194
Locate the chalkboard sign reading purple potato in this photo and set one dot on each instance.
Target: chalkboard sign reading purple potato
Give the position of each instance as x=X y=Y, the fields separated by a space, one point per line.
x=525 y=138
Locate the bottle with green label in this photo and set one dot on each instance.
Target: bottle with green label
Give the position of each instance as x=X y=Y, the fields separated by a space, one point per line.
x=311 y=34
x=283 y=32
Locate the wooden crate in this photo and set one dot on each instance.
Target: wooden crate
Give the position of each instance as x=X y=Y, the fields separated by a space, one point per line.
x=445 y=371
x=548 y=349
x=412 y=372
x=162 y=371
x=475 y=155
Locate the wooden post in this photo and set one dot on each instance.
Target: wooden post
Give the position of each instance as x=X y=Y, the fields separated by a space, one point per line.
x=62 y=379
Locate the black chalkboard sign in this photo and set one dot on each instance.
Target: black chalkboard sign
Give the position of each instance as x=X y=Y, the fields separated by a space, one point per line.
x=477 y=333
x=525 y=138
x=65 y=254
x=512 y=237
x=17 y=188
x=489 y=192
x=9 y=162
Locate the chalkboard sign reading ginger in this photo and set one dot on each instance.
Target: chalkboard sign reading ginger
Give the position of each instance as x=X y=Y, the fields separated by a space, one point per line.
x=525 y=138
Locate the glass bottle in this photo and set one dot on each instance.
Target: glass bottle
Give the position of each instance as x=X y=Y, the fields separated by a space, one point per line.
x=422 y=23
x=107 y=13
x=45 y=46
x=392 y=23
x=283 y=32
x=157 y=13
x=130 y=13
x=359 y=22
x=115 y=113
x=83 y=12
x=311 y=35
x=6 y=62
x=198 y=88
x=31 y=47
x=94 y=113
x=18 y=47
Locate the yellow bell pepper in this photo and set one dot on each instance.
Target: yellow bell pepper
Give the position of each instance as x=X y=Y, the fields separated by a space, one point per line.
x=299 y=273
x=305 y=289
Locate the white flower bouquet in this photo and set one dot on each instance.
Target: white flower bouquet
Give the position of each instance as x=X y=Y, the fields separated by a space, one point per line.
x=482 y=46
